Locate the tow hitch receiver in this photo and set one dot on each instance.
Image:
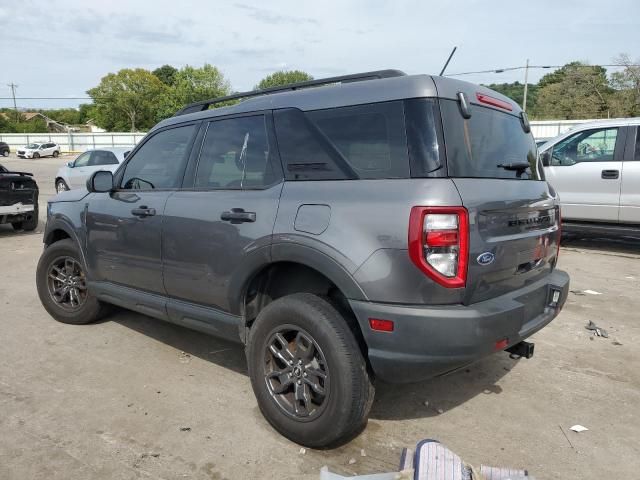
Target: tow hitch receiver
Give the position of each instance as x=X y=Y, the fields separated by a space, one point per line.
x=522 y=349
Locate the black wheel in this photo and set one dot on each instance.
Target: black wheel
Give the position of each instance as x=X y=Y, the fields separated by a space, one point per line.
x=55 y=154
x=5 y=153
x=36 y=155
x=307 y=371
x=62 y=287
x=61 y=186
x=31 y=223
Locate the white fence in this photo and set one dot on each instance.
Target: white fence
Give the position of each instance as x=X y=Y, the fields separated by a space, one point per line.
x=73 y=142
x=79 y=142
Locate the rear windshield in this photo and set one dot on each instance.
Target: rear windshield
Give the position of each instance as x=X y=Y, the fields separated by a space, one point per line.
x=490 y=144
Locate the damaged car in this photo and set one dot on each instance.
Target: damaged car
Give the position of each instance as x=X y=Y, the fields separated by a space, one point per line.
x=18 y=199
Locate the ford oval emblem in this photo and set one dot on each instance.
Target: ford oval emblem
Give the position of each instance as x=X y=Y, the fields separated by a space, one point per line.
x=486 y=258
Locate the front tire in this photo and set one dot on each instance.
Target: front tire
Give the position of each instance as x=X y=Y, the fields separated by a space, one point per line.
x=61 y=186
x=35 y=155
x=307 y=371
x=62 y=288
x=55 y=154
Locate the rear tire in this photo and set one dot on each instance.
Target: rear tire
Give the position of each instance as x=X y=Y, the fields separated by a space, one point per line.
x=61 y=271
x=55 y=154
x=28 y=225
x=5 y=153
x=36 y=155
x=307 y=372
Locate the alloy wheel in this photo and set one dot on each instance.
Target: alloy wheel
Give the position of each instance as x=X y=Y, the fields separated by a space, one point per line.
x=296 y=373
x=67 y=283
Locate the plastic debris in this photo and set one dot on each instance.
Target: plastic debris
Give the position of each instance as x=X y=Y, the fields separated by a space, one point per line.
x=184 y=357
x=591 y=292
x=363 y=453
x=597 y=331
x=440 y=411
x=303 y=451
x=579 y=428
x=352 y=461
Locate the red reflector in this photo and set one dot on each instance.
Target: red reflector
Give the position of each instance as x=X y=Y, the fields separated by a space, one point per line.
x=494 y=102
x=442 y=238
x=381 y=325
x=501 y=344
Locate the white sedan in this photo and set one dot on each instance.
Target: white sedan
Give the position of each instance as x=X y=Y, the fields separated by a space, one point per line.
x=75 y=174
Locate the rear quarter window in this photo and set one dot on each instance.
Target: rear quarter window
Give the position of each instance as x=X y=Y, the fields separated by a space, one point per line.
x=476 y=147
x=355 y=142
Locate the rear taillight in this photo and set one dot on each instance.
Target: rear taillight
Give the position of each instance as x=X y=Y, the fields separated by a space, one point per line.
x=439 y=243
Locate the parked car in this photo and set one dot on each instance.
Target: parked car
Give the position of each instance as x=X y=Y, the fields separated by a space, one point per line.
x=4 y=149
x=18 y=199
x=595 y=168
x=75 y=173
x=325 y=230
x=37 y=150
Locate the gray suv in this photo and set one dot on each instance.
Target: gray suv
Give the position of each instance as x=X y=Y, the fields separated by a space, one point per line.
x=371 y=226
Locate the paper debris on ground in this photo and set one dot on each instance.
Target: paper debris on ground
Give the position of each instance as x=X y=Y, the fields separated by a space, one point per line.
x=597 y=331
x=579 y=428
x=592 y=292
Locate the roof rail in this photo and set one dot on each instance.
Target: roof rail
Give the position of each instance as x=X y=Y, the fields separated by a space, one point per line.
x=356 y=77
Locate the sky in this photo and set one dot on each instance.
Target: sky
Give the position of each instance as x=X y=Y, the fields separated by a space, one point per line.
x=61 y=48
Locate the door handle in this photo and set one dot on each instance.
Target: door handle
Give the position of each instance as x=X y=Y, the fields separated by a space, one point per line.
x=143 y=211
x=610 y=174
x=238 y=215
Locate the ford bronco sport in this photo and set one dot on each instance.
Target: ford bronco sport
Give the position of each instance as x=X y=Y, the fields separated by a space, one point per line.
x=369 y=226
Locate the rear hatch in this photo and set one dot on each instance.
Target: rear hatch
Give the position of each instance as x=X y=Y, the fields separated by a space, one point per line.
x=513 y=214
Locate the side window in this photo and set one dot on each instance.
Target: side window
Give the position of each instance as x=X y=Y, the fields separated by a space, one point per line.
x=82 y=160
x=235 y=154
x=159 y=161
x=637 y=155
x=102 y=157
x=363 y=141
x=596 y=145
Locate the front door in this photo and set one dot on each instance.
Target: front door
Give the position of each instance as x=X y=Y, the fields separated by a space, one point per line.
x=586 y=172
x=77 y=175
x=124 y=227
x=228 y=214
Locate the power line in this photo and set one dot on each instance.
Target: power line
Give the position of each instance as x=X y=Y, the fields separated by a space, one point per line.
x=510 y=69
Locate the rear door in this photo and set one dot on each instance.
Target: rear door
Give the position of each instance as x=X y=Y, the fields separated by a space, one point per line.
x=586 y=170
x=226 y=216
x=630 y=188
x=513 y=221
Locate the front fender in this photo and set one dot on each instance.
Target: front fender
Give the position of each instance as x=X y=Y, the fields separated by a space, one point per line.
x=60 y=222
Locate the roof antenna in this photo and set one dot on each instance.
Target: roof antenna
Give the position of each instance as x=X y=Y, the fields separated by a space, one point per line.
x=448 y=60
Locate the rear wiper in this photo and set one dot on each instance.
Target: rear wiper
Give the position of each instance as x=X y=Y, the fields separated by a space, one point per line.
x=517 y=166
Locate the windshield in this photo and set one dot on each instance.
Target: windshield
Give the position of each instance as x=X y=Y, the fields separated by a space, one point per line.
x=490 y=144
x=33 y=145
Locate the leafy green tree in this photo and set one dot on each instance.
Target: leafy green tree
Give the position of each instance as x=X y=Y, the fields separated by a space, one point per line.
x=626 y=85
x=192 y=84
x=576 y=90
x=282 y=77
x=166 y=74
x=127 y=99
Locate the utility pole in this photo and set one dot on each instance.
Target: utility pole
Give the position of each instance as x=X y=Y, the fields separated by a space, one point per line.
x=526 y=86
x=13 y=87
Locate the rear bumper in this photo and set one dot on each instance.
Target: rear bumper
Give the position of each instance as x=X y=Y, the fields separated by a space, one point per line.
x=16 y=209
x=429 y=341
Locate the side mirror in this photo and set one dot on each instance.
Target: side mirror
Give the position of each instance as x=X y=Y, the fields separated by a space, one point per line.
x=100 y=182
x=126 y=154
x=70 y=164
x=545 y=157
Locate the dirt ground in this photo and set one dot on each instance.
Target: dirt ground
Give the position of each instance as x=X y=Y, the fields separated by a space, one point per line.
x=132 y=397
